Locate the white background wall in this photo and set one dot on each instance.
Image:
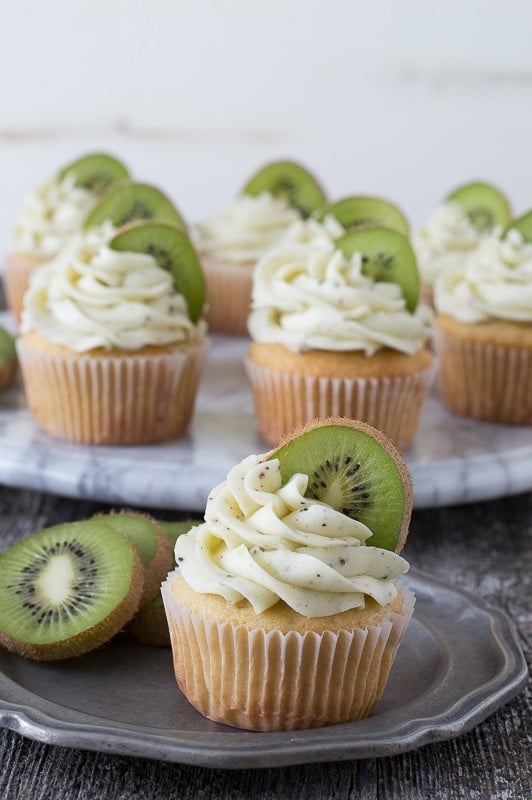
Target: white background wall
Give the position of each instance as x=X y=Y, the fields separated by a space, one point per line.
x=404 y=98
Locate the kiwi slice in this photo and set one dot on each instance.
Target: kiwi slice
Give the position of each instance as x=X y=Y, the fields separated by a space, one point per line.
x=67 y=590
x=151 y=543
x=8 y=358
x=361 y=211
x=173 y=250
x=386 y=256
x=290 y=181
x=355 y=469
x=523 y=224
x=483 y=203
x=95 y=172
x=149 y=626
x=132 y=201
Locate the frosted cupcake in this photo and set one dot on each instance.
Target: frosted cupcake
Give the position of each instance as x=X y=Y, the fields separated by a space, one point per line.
x=112 y=342
x=456 y=228
x=232 y=240
x=330 y=339
x=484 y=332
x=284 y=611
x=52 y=214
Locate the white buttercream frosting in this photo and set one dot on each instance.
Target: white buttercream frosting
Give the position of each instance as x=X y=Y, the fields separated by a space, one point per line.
x=312 y=231
x=91 y=296
x=443 y=242
x=310 y=296
x=52 y=214
x=242 y=231
x=494 y=282
x=264 y=541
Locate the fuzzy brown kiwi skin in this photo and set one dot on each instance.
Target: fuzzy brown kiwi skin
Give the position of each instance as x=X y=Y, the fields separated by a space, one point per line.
x=92 y=638
x=162 y=562
x=383 y=440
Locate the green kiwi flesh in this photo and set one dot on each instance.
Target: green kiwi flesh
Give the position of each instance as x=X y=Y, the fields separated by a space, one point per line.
x=291 y=181
x=67 y=589
x=356 y=470
x=95 y=172
x=172 y=250
x=386 y=256
x=7 y=347
x=360 y=211
x=483 y=203
x=523 y=224
x=132 y=201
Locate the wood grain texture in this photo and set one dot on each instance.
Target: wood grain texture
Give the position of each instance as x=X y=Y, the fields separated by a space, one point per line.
x=484 y=548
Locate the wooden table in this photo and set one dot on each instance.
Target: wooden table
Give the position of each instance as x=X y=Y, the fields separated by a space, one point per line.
x=483 y=547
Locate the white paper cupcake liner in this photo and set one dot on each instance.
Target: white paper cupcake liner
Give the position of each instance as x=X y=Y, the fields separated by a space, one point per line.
x=123 y=399
x=284 y=401
x=228 y=296
x=16 y=278
x=272 y=681
x=485 y=381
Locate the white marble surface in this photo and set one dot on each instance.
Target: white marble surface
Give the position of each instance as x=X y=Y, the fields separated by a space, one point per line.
x=453 y=460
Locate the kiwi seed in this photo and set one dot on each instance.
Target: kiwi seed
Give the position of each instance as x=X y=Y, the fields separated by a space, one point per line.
x=291 y=181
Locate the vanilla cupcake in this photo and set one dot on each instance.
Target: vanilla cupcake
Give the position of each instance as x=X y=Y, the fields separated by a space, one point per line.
x=329 y=339
x=112 y=345
x=484 y=332
x=231 y=241
x=284 y=611
x=52 y=214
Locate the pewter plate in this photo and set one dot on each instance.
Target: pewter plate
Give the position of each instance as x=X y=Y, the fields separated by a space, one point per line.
x=453 y=460
x=458 y=663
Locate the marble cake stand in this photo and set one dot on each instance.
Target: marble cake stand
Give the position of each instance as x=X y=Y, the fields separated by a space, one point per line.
x=453 y=460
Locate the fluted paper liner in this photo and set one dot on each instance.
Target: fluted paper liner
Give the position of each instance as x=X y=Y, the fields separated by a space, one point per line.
x=274 y=681
x=485 y=381
x=284 y=401
x=228 y=297
x=123 y=399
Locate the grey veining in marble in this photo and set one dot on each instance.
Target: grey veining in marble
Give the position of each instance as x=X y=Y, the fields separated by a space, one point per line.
x=453 y=460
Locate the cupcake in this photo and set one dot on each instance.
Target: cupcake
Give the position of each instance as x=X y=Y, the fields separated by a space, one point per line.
x=285 y=611
x=112 y=341
x=484 y=332
x=8 y=359
x=337 y=331
x=457 y=226
x=231 y=242
x=53 y=213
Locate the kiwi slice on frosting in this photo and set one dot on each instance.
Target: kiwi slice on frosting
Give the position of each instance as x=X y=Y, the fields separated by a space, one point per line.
x=173 y=250
x=95 y=172
x=132 y=201
x=386 y=256
x=355 y=469
x=290 y=181
x=523 y=224
x=362 y=211
x=67 y=589
x=485 y=205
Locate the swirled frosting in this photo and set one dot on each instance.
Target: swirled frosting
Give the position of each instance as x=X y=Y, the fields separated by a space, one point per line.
x=91 y=296
x=310 y=296
x=52 y=214
x=264 y=541
x=443 y=242
x=241 y=232
x=312 y=231
x=494 y=282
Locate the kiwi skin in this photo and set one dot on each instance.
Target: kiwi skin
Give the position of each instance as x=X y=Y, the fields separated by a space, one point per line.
x=91 y=638
x=385 y=443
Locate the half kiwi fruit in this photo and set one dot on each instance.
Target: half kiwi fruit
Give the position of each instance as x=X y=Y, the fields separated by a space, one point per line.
x=173 y=250
x=151 y=543
x=67 y=590
x=95 y=172
x=361 y=211
x=291 y=181
x=132 y=201
x=485 y=205
x=386 y=256
x=355 y=469
x=523 y=224
x=150 y=626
